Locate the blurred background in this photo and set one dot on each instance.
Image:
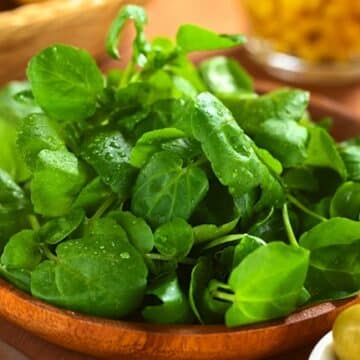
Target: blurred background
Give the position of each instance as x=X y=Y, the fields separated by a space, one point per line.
x=314 y=44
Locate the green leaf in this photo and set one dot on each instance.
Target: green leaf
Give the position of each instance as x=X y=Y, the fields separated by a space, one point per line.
x=57 y=230
x=322 y=152
x=109 y=154
x=334 y=261
x=19 y=277
x=13 y=208
x=165 y=189
x=22 y=251
x=194 y=38
x=174 y=307
x=232 y=156
x=150 y=143
x=267 y=284
x=138 y=231
x=225 y=76
x=350 y=155
x=207 y=309
x=246 y=246
x=346 y=201
x=140 y=46
x=93 y=195
x=302 y=179
x=36 y=133
x=284 y=104
x=102 y=275
x=174 y=239
x=66 y=82
x=57 y=180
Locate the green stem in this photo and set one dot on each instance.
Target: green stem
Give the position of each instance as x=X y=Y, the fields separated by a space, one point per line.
x=306 y=210
x=100 y=212
x=223 y=296
x=288 y=227
x=223 y=286
x=127 y=73
x=48 y=253
x=34 y=222
x=224 y=240
x=159 y=257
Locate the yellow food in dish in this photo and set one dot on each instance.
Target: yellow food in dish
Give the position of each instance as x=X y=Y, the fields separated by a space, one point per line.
x=346 y=332
x=315 y=30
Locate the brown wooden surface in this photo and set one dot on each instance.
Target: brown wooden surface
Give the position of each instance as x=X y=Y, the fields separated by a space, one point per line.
x=165 y=16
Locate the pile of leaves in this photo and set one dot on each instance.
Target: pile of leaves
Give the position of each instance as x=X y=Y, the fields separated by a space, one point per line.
x=169 y=193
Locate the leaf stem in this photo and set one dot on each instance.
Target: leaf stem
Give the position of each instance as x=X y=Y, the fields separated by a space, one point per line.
x=34 y=222
x=127 y=72
x=100 y=212
x=224 y=240
x=48 y=253
x=223 y=296
x=306 y=210
x=288 y=227
x=159 y=257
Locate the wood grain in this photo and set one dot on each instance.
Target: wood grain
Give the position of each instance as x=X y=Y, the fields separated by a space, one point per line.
x=117 y=339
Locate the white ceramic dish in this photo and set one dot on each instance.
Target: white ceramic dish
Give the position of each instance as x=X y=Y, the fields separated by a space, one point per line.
x=324 y=349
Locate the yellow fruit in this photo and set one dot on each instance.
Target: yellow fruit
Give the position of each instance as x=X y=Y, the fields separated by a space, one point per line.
x=346 y=332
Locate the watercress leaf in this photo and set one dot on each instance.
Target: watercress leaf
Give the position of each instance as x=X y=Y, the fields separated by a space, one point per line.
x=301 y=178
x=346 y=201
x=109 y=154
x=174 y=239
x=22 y=251
x=14 y=207
x=12 y=195
x=19 y=277
x=93 y=195
x=216 y=215
x=322 y=152
x=11 y=109
x=150 y=143
x=11 y=114
x=272 y=163
x=57 y=180
x=37 y=132
x=194 y=38
x=174 y=307
x=207 y=232
x=283 y=104
x=165 y=189
x=267 y=284
x=101 y=274
x=57 y=230
x=232 y=156
x=246 y=246
x=225 y=76
x=141 y=46
x=286 y=140
x=66 y=82
x=334 y=261
x=207 y=309
x=350 y=155
x=138 y=231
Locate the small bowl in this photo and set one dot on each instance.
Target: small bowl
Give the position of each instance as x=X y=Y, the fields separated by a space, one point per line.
x=324 y=349
x=132 y=340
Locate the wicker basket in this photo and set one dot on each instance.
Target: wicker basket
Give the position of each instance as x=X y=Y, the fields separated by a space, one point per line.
x=29 y=28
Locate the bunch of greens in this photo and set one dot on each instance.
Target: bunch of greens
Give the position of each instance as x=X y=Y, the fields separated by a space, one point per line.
x=172 y=193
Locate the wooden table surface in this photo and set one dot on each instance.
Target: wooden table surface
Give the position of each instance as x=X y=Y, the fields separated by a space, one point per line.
x=164 y=18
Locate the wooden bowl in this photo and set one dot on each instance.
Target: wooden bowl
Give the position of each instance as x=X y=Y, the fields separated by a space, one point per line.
x=27 y=29
x=130 y=340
